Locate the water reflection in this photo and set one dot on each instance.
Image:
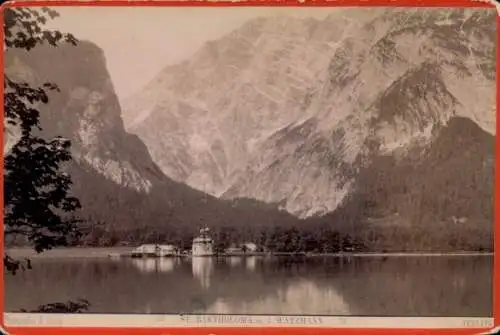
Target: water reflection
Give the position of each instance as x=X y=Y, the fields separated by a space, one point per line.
x=426 y=286
x=298 y=298
x=203 y=268
x=145 y=264
x=151 y=265
x=234 y=260
x=251 y=263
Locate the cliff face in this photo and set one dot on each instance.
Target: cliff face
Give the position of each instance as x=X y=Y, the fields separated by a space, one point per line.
x=293 y=111
x=86 y=110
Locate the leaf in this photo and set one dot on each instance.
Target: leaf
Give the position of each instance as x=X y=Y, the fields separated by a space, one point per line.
x=37 y=202
x=41 y=19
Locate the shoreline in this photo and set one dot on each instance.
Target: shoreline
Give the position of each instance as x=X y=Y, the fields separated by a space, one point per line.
x=103 y=252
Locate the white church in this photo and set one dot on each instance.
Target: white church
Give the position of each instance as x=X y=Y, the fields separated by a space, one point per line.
x=203 y=245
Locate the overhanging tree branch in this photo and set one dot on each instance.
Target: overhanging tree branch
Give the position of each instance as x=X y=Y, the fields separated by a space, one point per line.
x=38 y=204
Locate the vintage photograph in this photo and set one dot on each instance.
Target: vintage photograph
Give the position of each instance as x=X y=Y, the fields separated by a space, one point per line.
x=249 y=160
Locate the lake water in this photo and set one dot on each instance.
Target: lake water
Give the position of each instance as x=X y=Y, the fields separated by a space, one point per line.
x=359 y=286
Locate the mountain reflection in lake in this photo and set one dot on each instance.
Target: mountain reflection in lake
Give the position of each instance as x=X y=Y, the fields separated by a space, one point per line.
x=378 y=286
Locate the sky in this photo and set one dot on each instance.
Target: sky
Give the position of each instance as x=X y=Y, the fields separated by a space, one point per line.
x=140 y=41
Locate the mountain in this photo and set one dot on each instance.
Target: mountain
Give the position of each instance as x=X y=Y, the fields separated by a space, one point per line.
x=436 y=195
x=124 y=195
x=373 y=133
x=304 y=113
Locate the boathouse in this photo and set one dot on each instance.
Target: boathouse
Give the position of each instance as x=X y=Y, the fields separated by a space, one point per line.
x=155 y=250
x=165 y=250
x=145 y=250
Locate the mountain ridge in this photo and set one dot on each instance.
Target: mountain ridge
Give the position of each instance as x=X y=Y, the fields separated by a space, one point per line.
x=355 y=81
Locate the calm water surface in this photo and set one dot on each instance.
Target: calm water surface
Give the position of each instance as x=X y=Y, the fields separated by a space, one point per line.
x=378 y=286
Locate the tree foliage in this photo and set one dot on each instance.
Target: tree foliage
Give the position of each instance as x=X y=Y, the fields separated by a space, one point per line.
x=24 y=28
x=38 y=205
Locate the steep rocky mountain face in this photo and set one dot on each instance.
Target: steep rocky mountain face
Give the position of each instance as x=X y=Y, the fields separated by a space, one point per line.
x=320 y=116
x=437 y=194
x=86 y=111
x=119 y=185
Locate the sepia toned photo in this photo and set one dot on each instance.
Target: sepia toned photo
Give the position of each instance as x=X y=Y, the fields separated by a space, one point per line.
x=252 y=161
